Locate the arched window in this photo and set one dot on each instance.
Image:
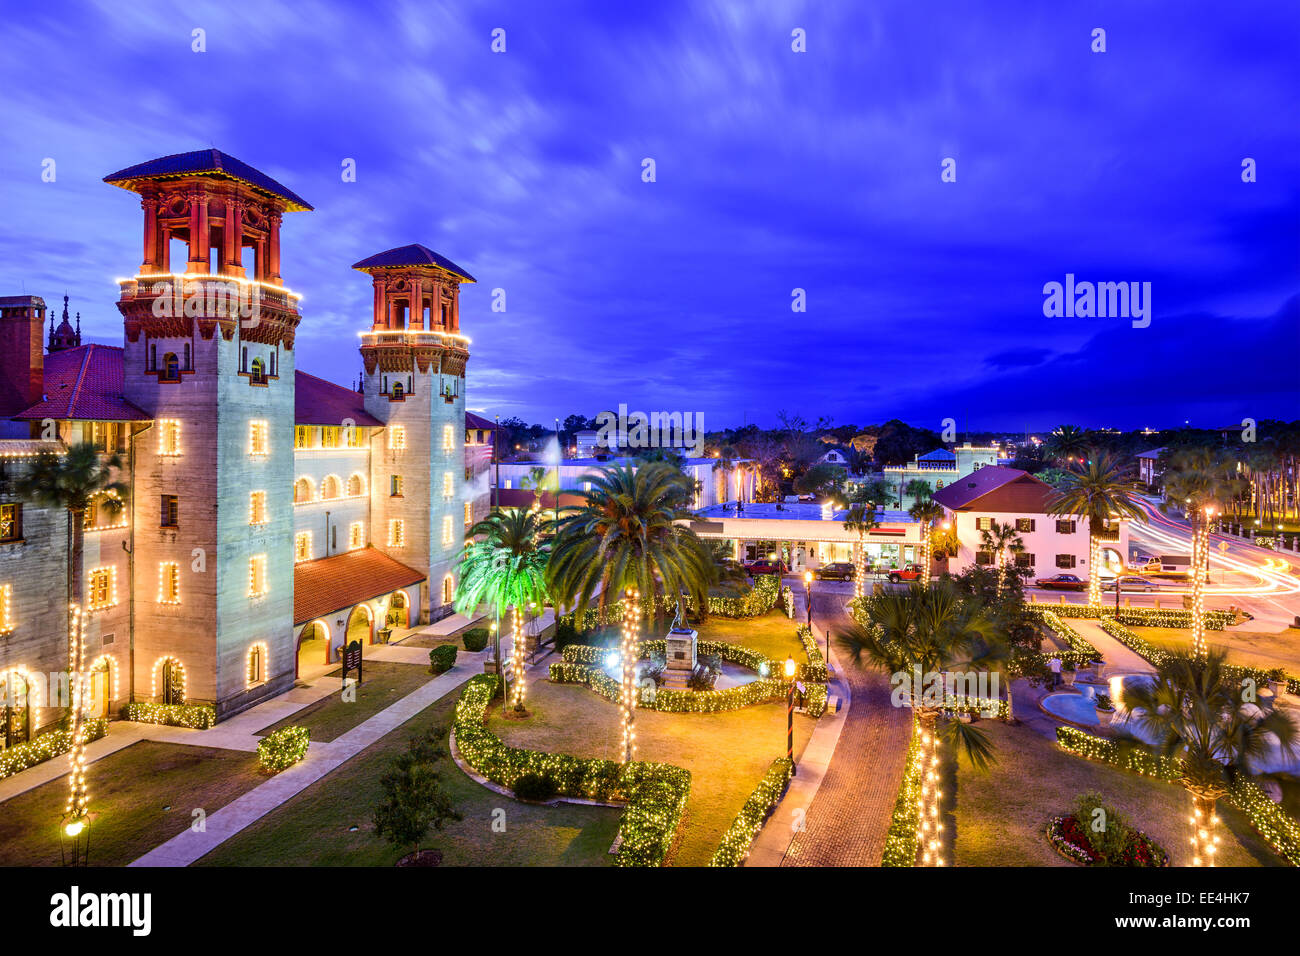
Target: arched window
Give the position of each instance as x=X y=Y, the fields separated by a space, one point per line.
x=302 y=490
x=15 y=708
x=258 y=372
x=329 y=488
x=447 y=588
x=169 y=680
x=356 y=486
x=256 y=664
x=171 y=370
x=397 y=390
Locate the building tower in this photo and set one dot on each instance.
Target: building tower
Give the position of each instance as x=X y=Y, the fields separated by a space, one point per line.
x=22 y=361
x=414 y=382
x=65 y=337
x=209 y=356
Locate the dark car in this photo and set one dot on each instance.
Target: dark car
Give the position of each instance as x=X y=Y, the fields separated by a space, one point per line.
x=765 y=566
x=835 y=571
x=1062 y=582
x=909 y=572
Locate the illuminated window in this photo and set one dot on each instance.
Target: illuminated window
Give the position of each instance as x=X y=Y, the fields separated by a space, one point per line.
x=303 y=491
x=395 y=485
x=356 y=535
x=356 y=486
x=103 y=588
x=396 y=533
x=256 y=664
x=257 y=575
x=170 y=516
x=302 y=546
x=329 y=487
x=258 y=437
x=448 y=589
x=356 y=437
x=448 y=438
x=396 y=437
x=169 y=583
x=331 y=436
x=11 y=522
x=304 y=436
x=469 y=514
x=6 y=608
x=169 y=437
x=446 y=531
x=448 y=486
x=257 y=507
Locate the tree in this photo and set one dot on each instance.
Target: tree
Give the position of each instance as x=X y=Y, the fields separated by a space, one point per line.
x=1098 y=491
x=1068 y=444
x=414 y=799
x=861 y=518
x=897 y=443
x=1001 y=540
x=927 y=513
x=822 y=480
x=918 y=488
x=625 y=540
x=1193 y=711
x=505 y=569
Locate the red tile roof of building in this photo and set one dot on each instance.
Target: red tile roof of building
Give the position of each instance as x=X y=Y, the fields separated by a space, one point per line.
x=205 y=161
x=339 y=582
x=85 y=383
x=996 y=488
x=318 y=402
x=412 y=255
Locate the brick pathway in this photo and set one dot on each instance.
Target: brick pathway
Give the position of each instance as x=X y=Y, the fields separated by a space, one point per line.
x=850 y=815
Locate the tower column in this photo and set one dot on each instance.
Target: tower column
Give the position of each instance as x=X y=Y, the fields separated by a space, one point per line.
x=150 y=205
x=234 y=238
x=273 y=270
x=415 y=313
x=380 y=319
x=200 y=240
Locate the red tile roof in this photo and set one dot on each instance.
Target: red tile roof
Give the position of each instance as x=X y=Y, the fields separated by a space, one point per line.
x=85 y=383
x=318 y=402
x=995 y=488
x=205 y=161
x=412 y=255
x=341 y=581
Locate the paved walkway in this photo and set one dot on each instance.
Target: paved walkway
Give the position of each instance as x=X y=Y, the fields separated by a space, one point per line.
x=849 y=816
x=1117 y=659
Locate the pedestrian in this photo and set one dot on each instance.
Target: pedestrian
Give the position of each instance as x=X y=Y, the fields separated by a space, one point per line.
x=1054 y=665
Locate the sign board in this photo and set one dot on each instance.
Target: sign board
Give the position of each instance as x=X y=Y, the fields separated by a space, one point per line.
x=352 y=660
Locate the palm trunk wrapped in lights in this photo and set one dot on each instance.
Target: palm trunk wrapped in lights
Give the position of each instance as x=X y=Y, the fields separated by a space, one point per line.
x=929 y=828
x=627 y=660
x=1204 y=821
x=859 y=568
x=1094 y=569
x=75 y=816
x=1200 y=566
x=518 y=652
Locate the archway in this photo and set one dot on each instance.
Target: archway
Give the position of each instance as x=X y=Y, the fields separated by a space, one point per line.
x=103 y=686
x=448 y=589
x=1112 y=562
x=313 y=647
x=399 y=610
x=15 y=708
x=360 y=626
x=169 y=681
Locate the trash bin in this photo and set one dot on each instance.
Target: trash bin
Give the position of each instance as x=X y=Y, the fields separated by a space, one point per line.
x=384 y=634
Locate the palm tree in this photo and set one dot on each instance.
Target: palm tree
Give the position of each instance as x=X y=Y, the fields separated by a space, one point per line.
x=921 y=636
x=861 y=518
x=1001 y=540
x=927 y=513
x=1198 y=479
x=1098 y=491
x=1194 y=712
x=625 y=539
x=505 y=569
x=1068 y=444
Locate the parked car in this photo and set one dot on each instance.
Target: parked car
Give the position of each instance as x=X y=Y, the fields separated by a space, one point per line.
x=908 y=572
x=835 y=571
x=766 y=566
x=1062 y=582
x=1130 y=582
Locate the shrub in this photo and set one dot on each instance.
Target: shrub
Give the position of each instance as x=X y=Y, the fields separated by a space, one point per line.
x=442 y=658
x=282 y=748
x=740 y=835
x=538 y=787
x=413 y=796
x=476 y=639
x=45 y=746
x=196 y=716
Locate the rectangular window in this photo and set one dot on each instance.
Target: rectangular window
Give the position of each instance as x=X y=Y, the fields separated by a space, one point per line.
x=169 y=583
x=1025 y=525
x=1065 y=527
x=257 y=507
x=395 y=485
x=446 y=531
x=469 y=514
x=257 y=575
x=468 y=474
x=396 y=533
x=1065 y=560
x=396 y=437
x=448 y=486
x=356 y=436
x=169 y=437
x=303 y=436
x=1024 y=560
x=302 y=546
x=983 y=557
x=331 y=436
x=983 y=524
x=171 y=512
x=356 y=535
x=11 y=523
x=448 y=438
x=258 y=437
x=6 y=608
x=102 y=592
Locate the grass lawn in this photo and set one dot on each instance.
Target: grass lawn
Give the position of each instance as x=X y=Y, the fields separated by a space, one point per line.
x=772 y=634
x=1251 y=648
x=314 y=828
x=129 y=791
x=726 y=753
x=998 y=818
x=384 y=683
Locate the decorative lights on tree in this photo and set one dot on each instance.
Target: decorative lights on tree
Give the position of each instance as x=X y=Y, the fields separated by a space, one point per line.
x=1200 y=568
x=929 y=829
x=517 y=650
x=1204 y=821
x=628 y=651
x=75 y=815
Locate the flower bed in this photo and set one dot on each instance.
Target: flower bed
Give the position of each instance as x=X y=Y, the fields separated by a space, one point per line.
x=46 y=746
x=1070 y=839
x=655 y=793
x=736 y=842
x=282 y=748
x=195 y=716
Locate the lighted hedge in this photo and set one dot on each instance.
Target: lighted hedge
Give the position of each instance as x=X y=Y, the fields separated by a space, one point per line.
x=48 y=745
x=900 y=841
x=195 y=716
x=736 y=842
x=1158 y=655
x=655 y=793
x=282 y=748
x=758 y=600
x=1080 y=652
x=1139 y=616
x=815 y=669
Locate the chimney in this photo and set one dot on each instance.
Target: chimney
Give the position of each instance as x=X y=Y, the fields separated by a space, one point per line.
x=22 y=356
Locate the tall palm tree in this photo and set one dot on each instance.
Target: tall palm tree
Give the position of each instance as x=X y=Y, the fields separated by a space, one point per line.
x=1194 y=712
x=861 y=518
x=922 y=635
x=1098 y=491
x=506 y=570
x=1001 y=540
x=1200 y=480
x=927 y=513
x=1068 y=444
x=625 y=539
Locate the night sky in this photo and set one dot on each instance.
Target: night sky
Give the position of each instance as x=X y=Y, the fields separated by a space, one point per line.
x=775 y=170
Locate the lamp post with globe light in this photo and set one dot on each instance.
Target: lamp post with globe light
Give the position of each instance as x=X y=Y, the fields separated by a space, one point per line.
x=789 y=715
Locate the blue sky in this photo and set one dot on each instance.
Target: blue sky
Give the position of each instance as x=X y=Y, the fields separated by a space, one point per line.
x=775 y=170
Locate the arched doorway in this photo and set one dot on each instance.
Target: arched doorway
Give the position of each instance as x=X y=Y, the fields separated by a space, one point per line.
x=360 y=626
x=169 y=681
x=313 y=647
x=1112 y=562
x=15 y=708
x=399 y=611
x=101 y=686
x=448 y=589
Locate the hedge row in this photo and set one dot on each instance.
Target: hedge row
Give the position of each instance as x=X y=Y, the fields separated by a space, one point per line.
x=758 y=600
x=736 y=842
x=1081 y=653
x=282 y=748
x=1139 y=616
x=900 y=841
x=46 y=746
x=655 y=793
x=196 y=716
x=815 y=669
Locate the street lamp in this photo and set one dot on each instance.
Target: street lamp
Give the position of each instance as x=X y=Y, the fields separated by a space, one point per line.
x=789 y=716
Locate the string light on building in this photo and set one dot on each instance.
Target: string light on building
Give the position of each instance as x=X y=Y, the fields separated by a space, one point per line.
x=628 y=653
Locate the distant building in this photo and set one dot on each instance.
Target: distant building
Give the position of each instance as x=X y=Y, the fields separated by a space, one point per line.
x=713 y=485
x=939 y=468
x=587 y=444
x=1149 y=467
x=834 y=457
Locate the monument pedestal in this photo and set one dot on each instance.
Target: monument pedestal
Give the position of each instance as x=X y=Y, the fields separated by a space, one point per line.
x=680 y=657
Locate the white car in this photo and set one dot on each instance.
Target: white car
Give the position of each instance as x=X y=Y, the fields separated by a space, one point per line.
x=1131 y=582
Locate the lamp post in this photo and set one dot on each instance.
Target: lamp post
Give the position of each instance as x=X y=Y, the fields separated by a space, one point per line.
x=807 y=584
x=789 y=716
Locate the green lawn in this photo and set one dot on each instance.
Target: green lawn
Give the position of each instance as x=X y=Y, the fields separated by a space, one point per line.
x=315 y=827
x=726 y=753
x=772 y=634
x=998 y=818
x=1250 y=648
x=384 y=684
x=140 y=796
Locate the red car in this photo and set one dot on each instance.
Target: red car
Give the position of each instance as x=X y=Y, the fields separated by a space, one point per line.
x=1062 y=582
x=754 y=568
x=909 y=572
